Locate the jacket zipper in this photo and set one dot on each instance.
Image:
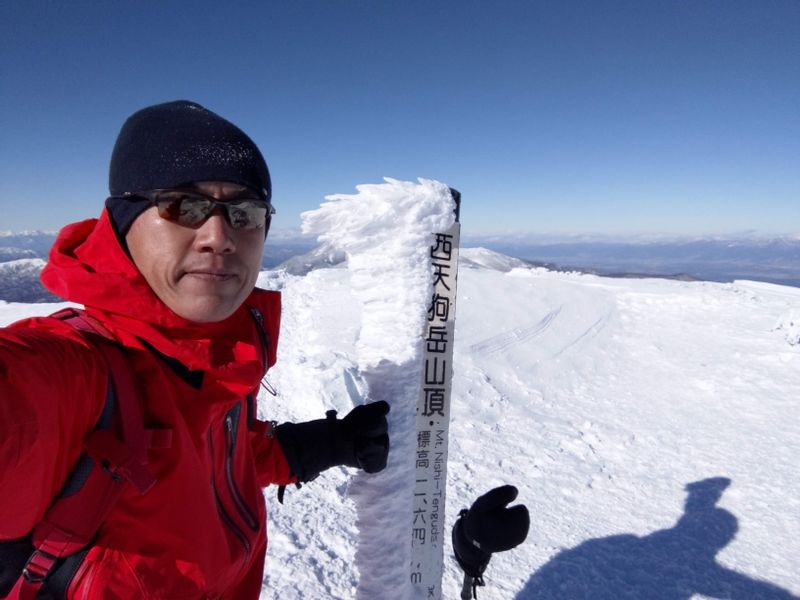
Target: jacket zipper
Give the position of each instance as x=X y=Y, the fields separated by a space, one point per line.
x=262 y=334
x=231 y=422
x=223 y=514
x=226 y=518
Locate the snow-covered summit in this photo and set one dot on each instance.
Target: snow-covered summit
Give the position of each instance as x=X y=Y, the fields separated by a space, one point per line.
x=321 y=257
x=325 y=256
x=19 y=281
x=489 y=259
x=633 y=415
x=602 y=400
x=649 y=424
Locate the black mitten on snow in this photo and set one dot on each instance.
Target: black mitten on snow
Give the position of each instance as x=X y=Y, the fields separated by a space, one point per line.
x=359 y=440
x=489 y=526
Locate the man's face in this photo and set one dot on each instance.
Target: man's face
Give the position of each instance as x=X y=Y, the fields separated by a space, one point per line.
x=203 y=273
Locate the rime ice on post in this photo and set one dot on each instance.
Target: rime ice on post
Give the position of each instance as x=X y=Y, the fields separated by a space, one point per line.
x=389 y=232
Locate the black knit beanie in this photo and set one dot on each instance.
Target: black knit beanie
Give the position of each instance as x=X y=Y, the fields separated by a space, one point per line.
x=176 y=143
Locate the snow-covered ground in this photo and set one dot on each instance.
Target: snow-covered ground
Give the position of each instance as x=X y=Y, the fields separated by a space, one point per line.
x=650 y=425
x=606 y=401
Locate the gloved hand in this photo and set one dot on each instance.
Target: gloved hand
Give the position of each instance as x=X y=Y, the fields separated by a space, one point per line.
x=359 y=440
x=489 y=526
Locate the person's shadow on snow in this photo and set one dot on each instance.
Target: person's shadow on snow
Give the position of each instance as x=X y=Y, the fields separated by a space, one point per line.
x=671 y=564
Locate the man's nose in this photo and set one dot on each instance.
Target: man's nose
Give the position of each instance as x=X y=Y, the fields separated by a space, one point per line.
x=215 y=234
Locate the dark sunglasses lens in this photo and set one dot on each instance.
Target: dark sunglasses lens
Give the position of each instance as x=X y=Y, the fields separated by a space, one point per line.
x=246 y=214
x=184 y=209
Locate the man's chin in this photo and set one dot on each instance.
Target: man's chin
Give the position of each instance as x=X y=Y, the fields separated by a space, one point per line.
x=207 y=310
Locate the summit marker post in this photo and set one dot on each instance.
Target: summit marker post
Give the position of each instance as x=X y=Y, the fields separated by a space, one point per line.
x=428 y=534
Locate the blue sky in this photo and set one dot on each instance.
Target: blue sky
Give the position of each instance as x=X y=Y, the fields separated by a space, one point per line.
x=558 y=116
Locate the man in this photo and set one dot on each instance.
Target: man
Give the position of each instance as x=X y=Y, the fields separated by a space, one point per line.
x=168 y=273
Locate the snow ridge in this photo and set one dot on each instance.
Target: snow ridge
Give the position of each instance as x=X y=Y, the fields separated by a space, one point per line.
x=385 y=232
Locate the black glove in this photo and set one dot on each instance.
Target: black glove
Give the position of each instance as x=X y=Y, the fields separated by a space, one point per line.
x=359 y=440
x=489 y=526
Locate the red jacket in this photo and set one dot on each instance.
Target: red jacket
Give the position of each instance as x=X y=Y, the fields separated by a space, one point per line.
x=200 y=532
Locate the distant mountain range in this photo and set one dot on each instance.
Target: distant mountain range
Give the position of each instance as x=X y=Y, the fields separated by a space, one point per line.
x=773 y=260
x=28 y=244
x=19 y=281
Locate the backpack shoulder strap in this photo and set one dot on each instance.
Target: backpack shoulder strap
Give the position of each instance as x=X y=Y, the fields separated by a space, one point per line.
x=115 y=453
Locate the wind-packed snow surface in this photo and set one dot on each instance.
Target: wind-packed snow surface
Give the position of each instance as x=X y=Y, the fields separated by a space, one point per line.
x=650 y=425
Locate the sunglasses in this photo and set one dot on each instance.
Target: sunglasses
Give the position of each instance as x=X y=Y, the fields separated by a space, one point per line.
x=190 y=207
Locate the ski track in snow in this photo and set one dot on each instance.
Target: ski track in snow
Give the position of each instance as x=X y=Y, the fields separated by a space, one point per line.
x=516 y=336
x=651 y=428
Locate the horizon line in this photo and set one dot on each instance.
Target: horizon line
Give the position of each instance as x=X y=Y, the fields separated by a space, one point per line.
x=288 y=234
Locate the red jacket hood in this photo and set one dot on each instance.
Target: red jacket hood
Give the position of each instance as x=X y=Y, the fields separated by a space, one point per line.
x=87 y=265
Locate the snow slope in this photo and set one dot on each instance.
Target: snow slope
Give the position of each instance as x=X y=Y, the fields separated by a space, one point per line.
x=608 y=402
